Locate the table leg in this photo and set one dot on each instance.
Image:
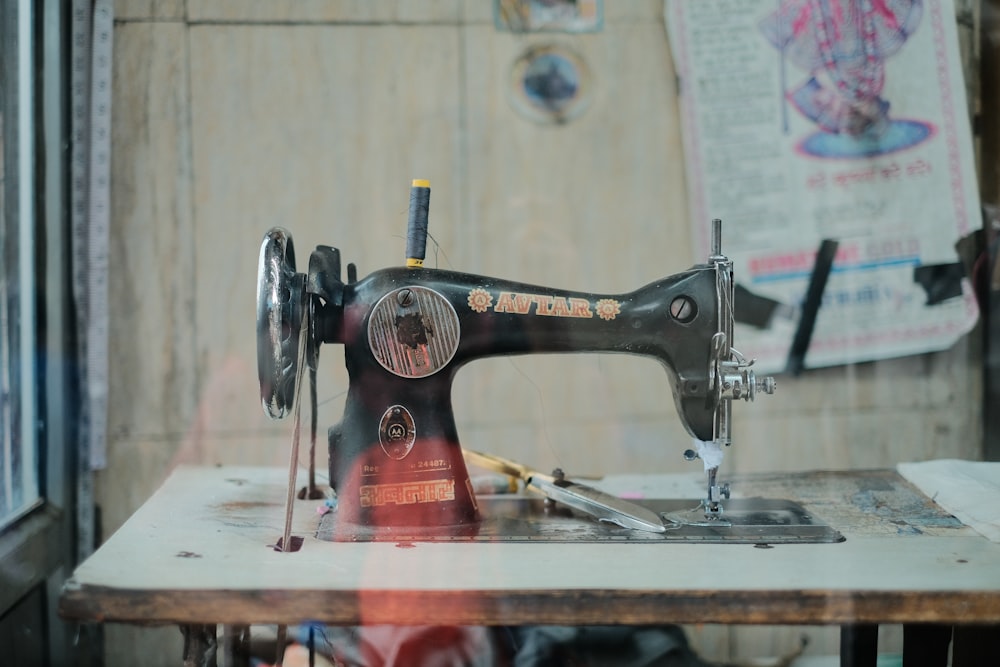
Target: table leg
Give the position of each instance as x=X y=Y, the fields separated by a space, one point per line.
x=200 y=645
x=976 y=645
x=235 y=646
x=858 y=645
x=926 y=644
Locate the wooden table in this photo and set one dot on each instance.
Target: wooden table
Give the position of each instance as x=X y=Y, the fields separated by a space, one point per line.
x=199 y=553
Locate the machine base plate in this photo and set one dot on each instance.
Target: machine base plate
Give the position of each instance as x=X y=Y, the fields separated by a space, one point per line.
x=520 y=518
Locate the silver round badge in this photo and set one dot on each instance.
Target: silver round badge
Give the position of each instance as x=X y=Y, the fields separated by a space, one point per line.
x=397 y=432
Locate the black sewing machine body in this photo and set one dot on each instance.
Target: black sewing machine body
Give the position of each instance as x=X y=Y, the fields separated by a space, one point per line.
x=406 y=332
x=395 y=457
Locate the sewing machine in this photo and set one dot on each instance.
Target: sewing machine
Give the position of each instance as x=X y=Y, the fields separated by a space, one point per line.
x=395 y=457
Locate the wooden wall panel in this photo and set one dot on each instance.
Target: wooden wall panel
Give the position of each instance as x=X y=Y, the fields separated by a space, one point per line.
x=152 y=287
x=322 y=11
x=143 y=10
x=869 y=415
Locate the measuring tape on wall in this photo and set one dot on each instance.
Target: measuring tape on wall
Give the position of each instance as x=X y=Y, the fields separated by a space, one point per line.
x=90 y=198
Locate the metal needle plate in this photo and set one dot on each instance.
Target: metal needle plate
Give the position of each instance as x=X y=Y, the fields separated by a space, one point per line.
x=528 y=519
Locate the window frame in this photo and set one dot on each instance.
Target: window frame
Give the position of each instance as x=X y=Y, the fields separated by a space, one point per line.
x=19 y=472
x=38 y=549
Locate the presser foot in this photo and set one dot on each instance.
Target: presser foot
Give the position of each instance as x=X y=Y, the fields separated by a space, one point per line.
x=713 y=515
x=716 y=492
x=699 y=516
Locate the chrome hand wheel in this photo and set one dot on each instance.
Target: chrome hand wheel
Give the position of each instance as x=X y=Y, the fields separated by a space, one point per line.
x=281 y=307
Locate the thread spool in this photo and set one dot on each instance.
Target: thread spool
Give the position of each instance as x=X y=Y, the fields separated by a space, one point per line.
x=416 y=224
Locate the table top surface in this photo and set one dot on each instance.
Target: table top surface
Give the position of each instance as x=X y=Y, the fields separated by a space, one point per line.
x=201 y=551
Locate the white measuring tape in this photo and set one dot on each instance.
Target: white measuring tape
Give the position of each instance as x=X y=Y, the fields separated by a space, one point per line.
x=90 y=198
x=99 y=229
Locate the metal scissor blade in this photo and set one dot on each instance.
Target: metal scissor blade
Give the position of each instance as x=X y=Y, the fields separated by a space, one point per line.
x=598 y=504
x=587 y=499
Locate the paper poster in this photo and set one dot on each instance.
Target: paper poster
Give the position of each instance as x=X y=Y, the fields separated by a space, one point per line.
x=843 y=120
x=548 y=15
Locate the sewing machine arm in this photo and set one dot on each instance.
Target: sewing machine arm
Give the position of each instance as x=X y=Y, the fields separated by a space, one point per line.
x=467 y=317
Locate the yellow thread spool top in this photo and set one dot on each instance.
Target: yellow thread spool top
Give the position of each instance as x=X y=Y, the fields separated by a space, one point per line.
x=420 y=183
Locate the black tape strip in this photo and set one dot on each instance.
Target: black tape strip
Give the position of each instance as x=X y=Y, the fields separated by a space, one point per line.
x=753 y=309
x=940 y=281
x=810 y=306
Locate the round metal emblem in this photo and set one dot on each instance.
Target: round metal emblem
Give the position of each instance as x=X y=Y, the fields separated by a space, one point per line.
x=413 y=332
x=397 y=432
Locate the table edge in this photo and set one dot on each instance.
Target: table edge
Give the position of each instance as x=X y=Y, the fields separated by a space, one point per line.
x=101 y=604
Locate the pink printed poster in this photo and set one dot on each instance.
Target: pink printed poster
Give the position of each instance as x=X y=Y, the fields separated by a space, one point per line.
x=843 y=120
